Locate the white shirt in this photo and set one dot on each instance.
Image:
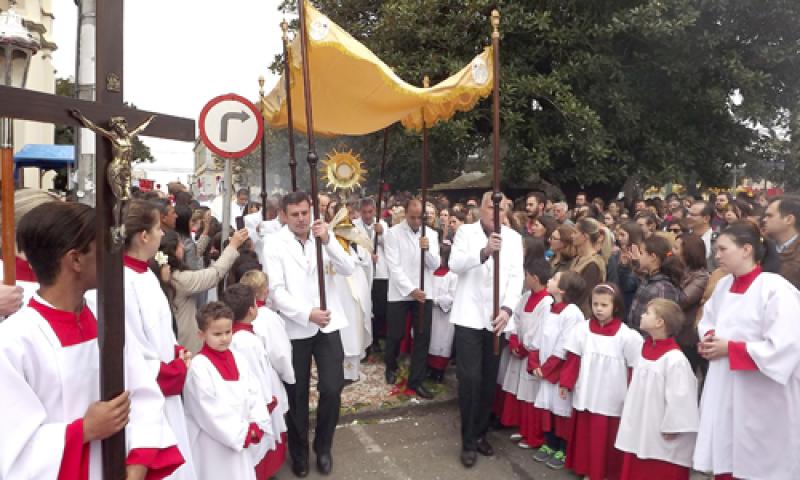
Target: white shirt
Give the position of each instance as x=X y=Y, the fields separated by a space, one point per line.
x=381 y=269
x=403 y=259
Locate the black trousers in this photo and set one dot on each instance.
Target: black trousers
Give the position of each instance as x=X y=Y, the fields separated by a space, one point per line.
x=396 y=313
x=476 y=371
x=326 y=348
x=379 y=289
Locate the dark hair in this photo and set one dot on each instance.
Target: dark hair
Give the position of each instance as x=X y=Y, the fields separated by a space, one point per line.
x=183 y=198
x=648 y=216
x=549 y=223
x=681 y=223
x=243 y=191
x=152 y=196
x=183 y=223
x=140 y=217
x=167 y=287
x=671 y=266
x=708 y=208
x=634 y=231
x=539 y=268
x=533 y=247
x=51 y=230
x=693 y=252
x=744 y=232
x=574 y=287
x=294 y=198
x=540 y=196
x=240 y=298
x=789 y=205
x=444 y=254
x=163 y=206
x=169 y=245
x=461 y=215
x=609 y=288
x=247 y=260
x=212 y=311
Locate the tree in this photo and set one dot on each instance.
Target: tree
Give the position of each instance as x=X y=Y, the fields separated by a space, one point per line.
x=594 y=93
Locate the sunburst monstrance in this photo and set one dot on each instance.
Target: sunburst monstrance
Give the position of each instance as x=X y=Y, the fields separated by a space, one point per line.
x=343 y=170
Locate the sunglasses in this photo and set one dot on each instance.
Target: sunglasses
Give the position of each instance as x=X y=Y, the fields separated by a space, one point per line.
x=676 y=230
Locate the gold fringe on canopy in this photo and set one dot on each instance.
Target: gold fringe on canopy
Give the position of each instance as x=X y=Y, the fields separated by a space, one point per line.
x=355 y=93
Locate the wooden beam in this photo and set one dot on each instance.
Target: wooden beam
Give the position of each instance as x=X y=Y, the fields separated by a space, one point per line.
x=42 y=107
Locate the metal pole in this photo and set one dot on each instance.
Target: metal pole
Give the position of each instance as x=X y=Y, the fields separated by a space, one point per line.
x=226 y=201
x=7 y=185
x=496 y=196
x=264 y=195
x=289 y=115
x=312 y=148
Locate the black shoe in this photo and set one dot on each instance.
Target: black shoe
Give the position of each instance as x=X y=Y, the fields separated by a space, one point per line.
x=300 y=469
x=468 y=458
x=391 y=377
x=423 y=392
x=324 y=463
x=376 y=348
x=484 y=448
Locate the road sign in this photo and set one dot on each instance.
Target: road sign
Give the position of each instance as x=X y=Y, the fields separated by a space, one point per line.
x=231 y=126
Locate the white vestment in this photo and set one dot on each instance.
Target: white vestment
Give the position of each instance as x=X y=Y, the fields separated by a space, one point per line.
x=443 y=290
x=356 y=296
x=528 y=326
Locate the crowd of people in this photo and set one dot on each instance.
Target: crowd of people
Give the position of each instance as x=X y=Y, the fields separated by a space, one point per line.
x=634 y=339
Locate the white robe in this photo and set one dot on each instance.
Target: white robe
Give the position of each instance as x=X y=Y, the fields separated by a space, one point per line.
x=356 y=295
x=443 y=290
x=661 y=399
x=218 y=414
x=603 y=379
x=269 y=328
x=550 y=340
x=251 y=351
x=148 y=320
x=528 y=326
x=47 y=386
x=750 y=420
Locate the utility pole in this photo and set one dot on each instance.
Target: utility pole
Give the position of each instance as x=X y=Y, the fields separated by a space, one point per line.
x=85 y=84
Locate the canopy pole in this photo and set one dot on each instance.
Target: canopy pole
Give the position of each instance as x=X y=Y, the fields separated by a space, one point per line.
x=264 y=195
x=7 y=185
x=290 y=116
x=312 y=157
x=424 y=188
x=381 y=186
x=497 y=196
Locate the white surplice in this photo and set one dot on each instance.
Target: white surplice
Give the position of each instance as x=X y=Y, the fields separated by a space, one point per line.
x=528 y=326
x=269 y=328
x=48 y=386
x=219 y=413
x=550 y=340
x=603 y=379
x=443 y=290
x=356 y=296
x=661 y=400
x=750 y=420
x=148 y=320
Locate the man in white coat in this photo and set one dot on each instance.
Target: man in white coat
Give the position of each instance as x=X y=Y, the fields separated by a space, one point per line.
x=292 y=268
x=369 y=224
x=258 y=228
x=404 y=245
x=471 y=260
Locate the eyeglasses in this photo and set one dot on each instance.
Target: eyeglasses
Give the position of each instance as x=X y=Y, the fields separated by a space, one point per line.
x=676 y=230
x=554 y=238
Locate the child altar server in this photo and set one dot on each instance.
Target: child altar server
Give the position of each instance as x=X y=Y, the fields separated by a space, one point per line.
x=443 y=290
x=225 y=409
x=600 y=353
x=659 y=421
x=51 y=417
x=149 y=321
x=546 y=360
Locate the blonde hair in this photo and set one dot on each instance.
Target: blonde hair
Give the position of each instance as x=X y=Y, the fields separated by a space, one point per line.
x=257 y=280
x=606 y=244
x=670 y=312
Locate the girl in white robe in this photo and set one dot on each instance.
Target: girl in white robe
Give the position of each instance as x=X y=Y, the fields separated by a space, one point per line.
x=600 y=353
x=660 y=417
x=750 y=406
x=148 y=320
x=225 y=409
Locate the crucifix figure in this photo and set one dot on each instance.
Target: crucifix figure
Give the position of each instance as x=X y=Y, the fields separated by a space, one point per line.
x=118 y=173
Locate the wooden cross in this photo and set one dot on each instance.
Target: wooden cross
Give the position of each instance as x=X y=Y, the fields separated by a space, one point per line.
x=40 y=107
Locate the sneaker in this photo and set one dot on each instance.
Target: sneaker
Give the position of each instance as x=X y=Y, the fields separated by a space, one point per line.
x=543 y=454
x=524 y=445
x=515 y=437
x=557 y=461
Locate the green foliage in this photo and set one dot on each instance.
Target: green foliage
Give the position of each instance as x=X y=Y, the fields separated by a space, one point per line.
x=626 y=88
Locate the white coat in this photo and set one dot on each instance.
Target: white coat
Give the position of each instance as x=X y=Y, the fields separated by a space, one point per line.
x=403 y=259
x=381 y=269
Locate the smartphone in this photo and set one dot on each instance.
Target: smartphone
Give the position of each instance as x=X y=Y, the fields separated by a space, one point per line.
x=239 y=223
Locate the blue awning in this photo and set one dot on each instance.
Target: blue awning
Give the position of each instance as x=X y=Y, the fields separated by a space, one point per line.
x=46 y=157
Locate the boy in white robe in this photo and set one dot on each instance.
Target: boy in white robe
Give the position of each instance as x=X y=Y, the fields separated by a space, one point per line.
x=51 y=416
x=225 y=409
x=443 y=290
x=250 y=348
x=657 y=431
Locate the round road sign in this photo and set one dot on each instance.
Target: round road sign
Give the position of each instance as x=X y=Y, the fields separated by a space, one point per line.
x=231 y=126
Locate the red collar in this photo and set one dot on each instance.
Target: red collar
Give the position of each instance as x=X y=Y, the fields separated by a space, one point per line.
x=71 y=329
x=534 y=300
x=223 y=361
x=261 y=303
x=134 y=264
x=655 y=349
x=242 y=327
x=441 y=271
x=558 y=307
x=608 y=330
x=742 y=283
x=24 y=271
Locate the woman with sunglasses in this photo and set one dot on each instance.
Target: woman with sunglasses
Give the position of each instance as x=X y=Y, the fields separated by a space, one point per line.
x=677 y=226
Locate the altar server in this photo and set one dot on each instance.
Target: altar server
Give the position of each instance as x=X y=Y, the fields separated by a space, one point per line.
x=601 y=351
x=49 y=356
x=749 y=420
x=225 y=408
x=149 y=320
x=443 y=290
